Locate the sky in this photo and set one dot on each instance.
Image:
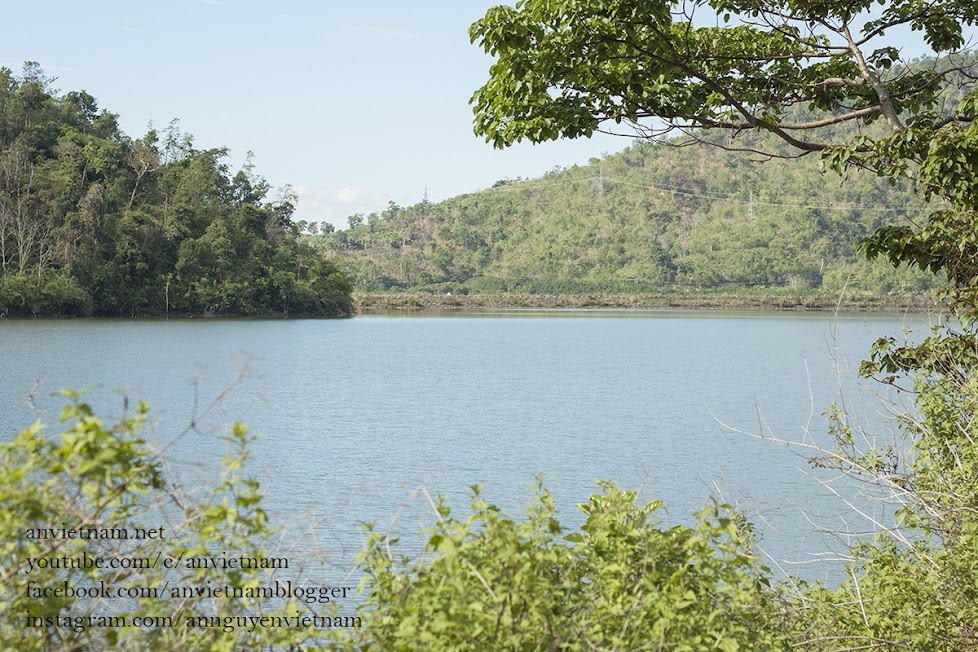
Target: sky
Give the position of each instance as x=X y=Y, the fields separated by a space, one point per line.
x=355 y=104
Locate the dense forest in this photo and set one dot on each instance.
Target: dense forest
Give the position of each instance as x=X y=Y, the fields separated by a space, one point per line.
x=94 y=222
x=648 y=219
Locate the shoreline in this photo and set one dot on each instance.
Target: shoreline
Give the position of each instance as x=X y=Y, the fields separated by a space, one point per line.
x=369 y=302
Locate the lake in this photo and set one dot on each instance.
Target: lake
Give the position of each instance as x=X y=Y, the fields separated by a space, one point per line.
x=357 y=414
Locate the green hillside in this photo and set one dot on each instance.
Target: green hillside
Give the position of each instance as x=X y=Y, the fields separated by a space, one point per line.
x=648 y=219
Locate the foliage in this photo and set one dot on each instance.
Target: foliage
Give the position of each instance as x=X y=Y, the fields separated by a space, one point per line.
x=648 y=219
x=563 y=69
x=940 y=155
x=923 y=578
x=488 y=582
x=95 y=222
x=622 y=582
x=94 y=476
x=567 y=69
x=915 y=585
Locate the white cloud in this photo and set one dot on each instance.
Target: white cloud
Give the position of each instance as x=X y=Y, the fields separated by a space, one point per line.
x=336 y=205
x=347 y=195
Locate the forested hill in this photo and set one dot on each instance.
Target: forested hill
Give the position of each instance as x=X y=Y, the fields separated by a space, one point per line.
x=650 y=218
x=95 y=222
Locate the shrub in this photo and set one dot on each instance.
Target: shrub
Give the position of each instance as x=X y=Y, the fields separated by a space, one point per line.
x=107 y=478
x=622 y=582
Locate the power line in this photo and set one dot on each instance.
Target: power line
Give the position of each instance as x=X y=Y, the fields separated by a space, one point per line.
x=733 y=199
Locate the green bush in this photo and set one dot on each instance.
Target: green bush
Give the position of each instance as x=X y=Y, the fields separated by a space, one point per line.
x=622 y=582
x=64 y=295
x=18 y=295
x=107 y=478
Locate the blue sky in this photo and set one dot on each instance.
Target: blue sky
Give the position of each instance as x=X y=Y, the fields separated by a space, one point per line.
x=353 y=103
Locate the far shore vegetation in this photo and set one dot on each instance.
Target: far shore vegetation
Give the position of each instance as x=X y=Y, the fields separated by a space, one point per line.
x=677 y=299
x=94 y=222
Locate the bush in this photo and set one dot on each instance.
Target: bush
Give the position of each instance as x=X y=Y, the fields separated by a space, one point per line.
x=489 y=582
x=64 y=295
x=18 y=295
x=108 y=479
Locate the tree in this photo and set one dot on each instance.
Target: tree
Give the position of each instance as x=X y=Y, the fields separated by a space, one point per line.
x=20 y=222
x=569 y=69
x=92 y=221
x=143 y=159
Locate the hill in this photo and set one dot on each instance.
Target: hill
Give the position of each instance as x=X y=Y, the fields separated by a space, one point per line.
x=651 y=218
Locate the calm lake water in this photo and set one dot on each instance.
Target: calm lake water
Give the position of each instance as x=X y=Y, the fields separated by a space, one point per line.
x=357 y=414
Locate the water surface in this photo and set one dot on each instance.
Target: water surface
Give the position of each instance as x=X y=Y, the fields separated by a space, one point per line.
x=357 y=414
